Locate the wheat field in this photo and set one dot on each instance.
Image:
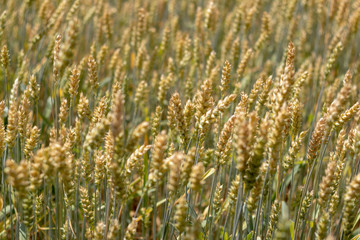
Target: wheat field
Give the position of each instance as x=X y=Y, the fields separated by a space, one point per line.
x=192 y=119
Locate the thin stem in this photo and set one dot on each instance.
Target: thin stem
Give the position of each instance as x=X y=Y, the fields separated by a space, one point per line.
x=155 y=210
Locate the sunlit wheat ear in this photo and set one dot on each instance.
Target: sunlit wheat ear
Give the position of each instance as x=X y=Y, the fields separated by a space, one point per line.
x=92 y=72
x=174 y=178
x=334 y=204
x=256 y=89
x=74 y=82
x=102 y=54
x=225 y=78
x=350 y=206
x=180 y=214
x=24 y=114
x=99 y=231
x=257 y=152
x=331 y=60
x=224 y=140
x=158 y=157
x=67 y=50
x=274 y=137
x=341 y=142
x=300 y=82
x=316 y=139
x=264 y=95
x=210 y=17
x=164 y=85
x=305 y=205
x=34 y=89
x=243 y=64
x=218 y=200
x=31 y=141
x=117 y=115
x=337 y=105
x=27 y=208
x=265 y=31
x=235 y=51
x=39 y=168
x=99 y=112
x=5 y=57
x=141 y=57
x=274 y=218
x=165 y=40
x=234 y=187
x=2 y=25
x=241 y=131
x=131 y=230
x=18 y=176
x=95 y=137
x=350 y=143
x=134 y=161
x=222 y=105
x=256 y=190
x=286 y=81
x=141 y=93
x=87 y=204
x=12 y=130
x=83 y=107
x=203 y=100
x=196 y=176
x=113 y=229
x=327 y=180
x=175 y=115
x=64 y=111
x=322 y=229
x=187 y=165
x=2 y=128
x=99 y=170
x=56 y=58
x=347 y=115
x=293 y=150
x=189 y=111
x=137 y=135
x=156 y=121
x=73 y=10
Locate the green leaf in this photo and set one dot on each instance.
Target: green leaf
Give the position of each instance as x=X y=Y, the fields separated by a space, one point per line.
x=284 y=209
x=310 y=117
x=105 y=81
x=160 y=202
x=226 y=236
x=311 y=224
x=5 y=211
x=224 y=233
x=292 y=226
x=146 y=168
x=22 y=232
x=296 y=170
x=357 y=219
x=208 y=173
x=89 y=14
x=250 y=235
x=48 y=108
x=357 y=237
x=203 y=223
x=299 y=162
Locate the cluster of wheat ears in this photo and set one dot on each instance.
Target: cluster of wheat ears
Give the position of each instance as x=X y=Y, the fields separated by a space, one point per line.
x=193 y=119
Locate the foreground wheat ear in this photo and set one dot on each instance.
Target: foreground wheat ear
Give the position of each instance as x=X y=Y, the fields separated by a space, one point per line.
x=165 y=119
